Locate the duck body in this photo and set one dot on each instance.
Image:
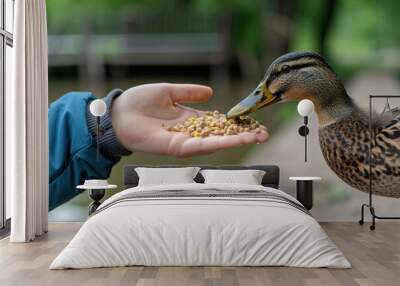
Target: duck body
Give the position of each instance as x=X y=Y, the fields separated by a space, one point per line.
x=345 y=145
x=344 y=131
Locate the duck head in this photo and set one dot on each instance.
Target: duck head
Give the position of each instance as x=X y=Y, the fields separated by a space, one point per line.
x=296 y=76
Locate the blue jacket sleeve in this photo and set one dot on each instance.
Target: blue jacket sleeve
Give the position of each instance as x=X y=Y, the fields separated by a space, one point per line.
x=72 y=148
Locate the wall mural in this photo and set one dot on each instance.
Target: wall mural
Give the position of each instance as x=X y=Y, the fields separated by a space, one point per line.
x=226 y=46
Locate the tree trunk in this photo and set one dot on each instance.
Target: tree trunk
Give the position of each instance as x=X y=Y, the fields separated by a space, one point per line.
x=327 y=18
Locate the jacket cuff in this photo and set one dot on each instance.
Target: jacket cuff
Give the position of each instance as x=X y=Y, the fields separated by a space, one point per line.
x=108 y=142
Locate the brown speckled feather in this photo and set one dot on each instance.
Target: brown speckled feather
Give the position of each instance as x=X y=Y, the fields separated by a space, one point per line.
x=345 y=146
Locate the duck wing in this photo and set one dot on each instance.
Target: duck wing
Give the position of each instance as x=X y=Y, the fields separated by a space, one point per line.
x=389 y=135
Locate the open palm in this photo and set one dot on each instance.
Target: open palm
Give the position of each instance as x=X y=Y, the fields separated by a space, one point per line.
x=141 y=114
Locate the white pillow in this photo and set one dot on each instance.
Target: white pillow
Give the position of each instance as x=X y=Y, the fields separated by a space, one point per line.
x=248 y=177
x=163 y=176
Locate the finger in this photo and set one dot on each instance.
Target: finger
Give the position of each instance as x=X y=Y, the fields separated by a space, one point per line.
x=188 y=111
x=262 y=136
x=200 y=146
x=197 y=146
x=189 y=93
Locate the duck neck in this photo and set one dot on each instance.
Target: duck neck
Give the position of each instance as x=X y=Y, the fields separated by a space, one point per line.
x=333 y=104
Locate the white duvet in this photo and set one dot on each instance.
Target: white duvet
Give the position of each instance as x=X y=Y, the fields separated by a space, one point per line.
x=200 y=231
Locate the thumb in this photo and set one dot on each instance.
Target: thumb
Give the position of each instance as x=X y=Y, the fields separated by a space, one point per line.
x=190 y=93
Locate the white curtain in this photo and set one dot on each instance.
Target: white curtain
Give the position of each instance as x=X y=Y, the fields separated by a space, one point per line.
x=26 y=123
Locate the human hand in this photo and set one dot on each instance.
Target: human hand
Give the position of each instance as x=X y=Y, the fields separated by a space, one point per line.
x=141 y=114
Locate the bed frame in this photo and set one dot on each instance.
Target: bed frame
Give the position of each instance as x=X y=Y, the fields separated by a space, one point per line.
x=270 y=179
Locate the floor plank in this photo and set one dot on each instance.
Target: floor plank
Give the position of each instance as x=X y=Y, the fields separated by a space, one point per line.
x=375 y=257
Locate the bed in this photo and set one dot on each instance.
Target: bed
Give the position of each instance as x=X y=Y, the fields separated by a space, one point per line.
x=201 y=224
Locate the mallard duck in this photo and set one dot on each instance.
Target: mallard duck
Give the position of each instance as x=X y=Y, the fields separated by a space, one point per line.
x=343 y=126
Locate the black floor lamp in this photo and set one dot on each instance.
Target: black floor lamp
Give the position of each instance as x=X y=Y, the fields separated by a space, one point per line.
x=305 y=108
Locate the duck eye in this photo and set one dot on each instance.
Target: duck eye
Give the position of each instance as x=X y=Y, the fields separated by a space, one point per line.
x=285 y=68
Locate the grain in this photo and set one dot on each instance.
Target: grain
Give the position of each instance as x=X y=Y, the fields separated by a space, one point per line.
x=214 y=123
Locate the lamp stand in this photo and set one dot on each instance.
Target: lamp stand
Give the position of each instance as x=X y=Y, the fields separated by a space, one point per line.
x=305 y=138
x=303 y=131
x=97 y=136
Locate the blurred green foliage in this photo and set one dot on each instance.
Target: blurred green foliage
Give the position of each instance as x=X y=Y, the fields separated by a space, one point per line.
x=67 y=16
x=366 y=34
x=363 y=33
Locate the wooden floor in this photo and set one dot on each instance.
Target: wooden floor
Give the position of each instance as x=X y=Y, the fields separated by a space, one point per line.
x=375 y=257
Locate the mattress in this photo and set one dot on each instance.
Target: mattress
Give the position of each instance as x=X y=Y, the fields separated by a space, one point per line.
x=201 y=225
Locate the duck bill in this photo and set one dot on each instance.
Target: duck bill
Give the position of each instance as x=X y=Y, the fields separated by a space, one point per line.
x=259 y=98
